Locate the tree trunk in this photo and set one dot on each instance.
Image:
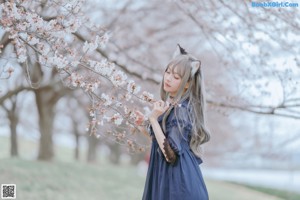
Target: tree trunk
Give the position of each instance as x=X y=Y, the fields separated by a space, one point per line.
x=14 y=119
x=77 y=139
x=13 y=137
x=137 y=157
x=115 y=153
x=92 y=148
x=46 y=100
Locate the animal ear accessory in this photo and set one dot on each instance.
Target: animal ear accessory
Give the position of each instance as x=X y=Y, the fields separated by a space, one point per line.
x=195 y=67
x=179 y=51
x=194 y=63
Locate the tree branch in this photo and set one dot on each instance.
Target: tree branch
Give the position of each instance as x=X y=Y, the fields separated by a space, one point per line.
x=124 y=68
x=13 y=92
x=5 y=40
x=255 y=109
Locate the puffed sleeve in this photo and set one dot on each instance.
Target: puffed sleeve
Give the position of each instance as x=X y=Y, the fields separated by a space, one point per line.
x=178 y=128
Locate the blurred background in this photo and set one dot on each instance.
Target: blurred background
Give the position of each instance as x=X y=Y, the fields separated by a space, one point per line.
x=251 y=65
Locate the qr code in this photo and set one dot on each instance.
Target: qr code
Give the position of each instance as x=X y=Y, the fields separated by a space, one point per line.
x=8 y=191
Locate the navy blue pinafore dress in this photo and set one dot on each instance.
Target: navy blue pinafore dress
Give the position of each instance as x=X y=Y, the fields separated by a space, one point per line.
x=183 y=179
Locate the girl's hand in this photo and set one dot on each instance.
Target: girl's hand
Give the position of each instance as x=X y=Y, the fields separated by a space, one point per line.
x=159 y=108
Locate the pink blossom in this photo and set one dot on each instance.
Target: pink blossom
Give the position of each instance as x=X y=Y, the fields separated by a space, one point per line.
x=146 y=96
x=116 y=119
x=118 y=78
x=132 y=87
x=32 y=40
x=43 y=48
x=88 y=47
x=76 y=79
x=106 y=99
x=58 y=61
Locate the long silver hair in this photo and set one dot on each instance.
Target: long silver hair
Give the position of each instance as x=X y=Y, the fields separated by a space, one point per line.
x=189 y=69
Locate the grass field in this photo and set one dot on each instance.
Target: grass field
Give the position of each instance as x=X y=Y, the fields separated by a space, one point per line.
x=65 y=179
x=70 y=181
x=279 y=193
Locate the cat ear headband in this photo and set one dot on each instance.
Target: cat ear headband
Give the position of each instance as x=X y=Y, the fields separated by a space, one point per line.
x=194 y=62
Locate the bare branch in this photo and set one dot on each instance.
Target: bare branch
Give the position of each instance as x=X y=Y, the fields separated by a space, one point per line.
x=5 y=40
x=13 y=92
x=255 y=109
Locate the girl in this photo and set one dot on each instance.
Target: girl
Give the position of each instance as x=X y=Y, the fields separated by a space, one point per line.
x=177 y=130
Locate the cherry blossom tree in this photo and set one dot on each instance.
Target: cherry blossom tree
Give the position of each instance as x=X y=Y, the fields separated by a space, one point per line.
x=49 y=35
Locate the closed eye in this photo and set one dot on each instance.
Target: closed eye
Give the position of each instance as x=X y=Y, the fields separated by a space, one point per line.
x=176 y=76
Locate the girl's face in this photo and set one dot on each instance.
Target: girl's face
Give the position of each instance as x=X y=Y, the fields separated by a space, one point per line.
x=172 y=81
